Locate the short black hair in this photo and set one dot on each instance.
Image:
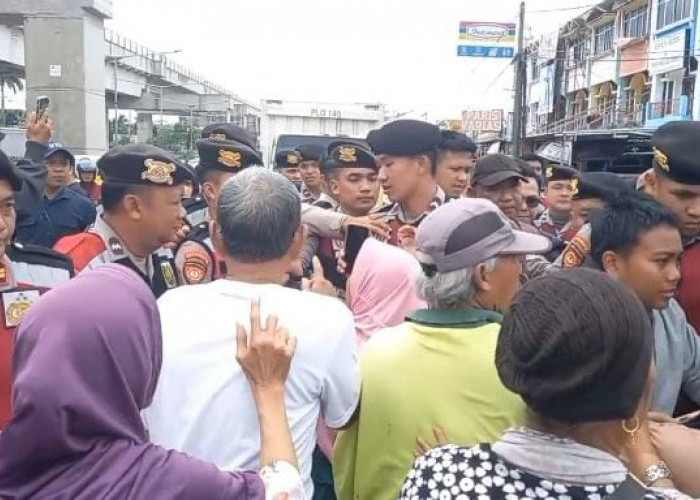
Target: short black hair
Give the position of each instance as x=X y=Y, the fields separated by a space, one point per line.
x=207 y=175
x=619 y=227
x=114 y=193
x=529 y=172
x=532 y=157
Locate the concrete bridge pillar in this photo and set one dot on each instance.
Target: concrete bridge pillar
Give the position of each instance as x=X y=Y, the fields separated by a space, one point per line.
x=144 y=127
x=64 y=60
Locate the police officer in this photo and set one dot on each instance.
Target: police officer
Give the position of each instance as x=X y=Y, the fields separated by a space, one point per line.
x=310 y=156
x=26 y=272
x=219 y=160
x=141 y=196
x=407 y=153
x=675 y=182
x=556 y=219
x=351 y=174
x=196 y=206
x=287 y=163
x=591 y=191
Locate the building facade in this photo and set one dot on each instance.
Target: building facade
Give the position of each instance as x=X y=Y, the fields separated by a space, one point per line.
x=601 y=85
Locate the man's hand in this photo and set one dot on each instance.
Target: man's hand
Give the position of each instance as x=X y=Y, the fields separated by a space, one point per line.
x=407 y=238
x=266 y=355
x=180 y=236
x=375 y=223
x=318 y=282
x=422 y=446
x=39 y=129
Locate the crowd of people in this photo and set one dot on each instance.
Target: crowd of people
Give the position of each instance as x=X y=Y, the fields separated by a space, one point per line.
x=379 y=319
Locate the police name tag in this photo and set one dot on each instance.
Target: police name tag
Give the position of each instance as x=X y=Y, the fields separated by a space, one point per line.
x=16 y=305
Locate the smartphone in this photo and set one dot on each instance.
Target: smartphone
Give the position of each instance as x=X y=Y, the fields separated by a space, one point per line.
x=355 y=236
x=630 y=489
x=42 y=105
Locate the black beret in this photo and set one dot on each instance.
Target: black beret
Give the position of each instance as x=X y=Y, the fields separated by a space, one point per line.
x=310 y=152
x=677 y=151
x=348 y=155
x=9 y=174
x=560 y=173
x=227 y=156
x=143 y=164
x=287 y=158
x=456 y=141
x=229 y=132
x=603 y=185
x=404 y=138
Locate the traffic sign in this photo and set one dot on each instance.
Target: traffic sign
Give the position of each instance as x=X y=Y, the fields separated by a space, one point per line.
x=485 y=51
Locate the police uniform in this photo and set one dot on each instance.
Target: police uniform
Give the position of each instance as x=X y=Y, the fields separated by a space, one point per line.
x=677 y=156
x=309 y=152
x=545 y=223
x=406 y=138
x=137 y=164
x=196 y=207
x=603 y=186
x=26 y=272
x=340 y=156
x=195 y=259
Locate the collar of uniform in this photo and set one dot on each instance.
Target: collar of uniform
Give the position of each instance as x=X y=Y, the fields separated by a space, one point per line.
x=328 y=199
x=437 y=201
x=455 y=318
x=306 y=194
x=117 y=250
x=688 y=242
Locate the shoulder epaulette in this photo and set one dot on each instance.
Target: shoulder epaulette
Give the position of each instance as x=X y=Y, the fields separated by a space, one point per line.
x=35 y=254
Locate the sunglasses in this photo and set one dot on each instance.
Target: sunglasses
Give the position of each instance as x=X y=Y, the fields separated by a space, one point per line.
x=533 y=201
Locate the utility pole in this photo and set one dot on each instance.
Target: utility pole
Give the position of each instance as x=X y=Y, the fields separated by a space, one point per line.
x=520 y=81
x=116 y=104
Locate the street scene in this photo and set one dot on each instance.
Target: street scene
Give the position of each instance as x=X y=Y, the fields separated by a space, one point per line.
x=350 y=250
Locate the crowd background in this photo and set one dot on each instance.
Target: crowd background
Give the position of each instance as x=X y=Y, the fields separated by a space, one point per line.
x=404 y=320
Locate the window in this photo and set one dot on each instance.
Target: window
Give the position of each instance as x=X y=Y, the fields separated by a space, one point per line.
x=603 y=38
x=634 y=23
x=672 y=11
x=577 y=51
x=535 y=68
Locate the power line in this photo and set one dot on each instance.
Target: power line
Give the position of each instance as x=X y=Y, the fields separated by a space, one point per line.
x=562 y=9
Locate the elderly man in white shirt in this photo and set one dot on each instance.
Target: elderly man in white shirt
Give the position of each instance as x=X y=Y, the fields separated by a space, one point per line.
x=203 y=404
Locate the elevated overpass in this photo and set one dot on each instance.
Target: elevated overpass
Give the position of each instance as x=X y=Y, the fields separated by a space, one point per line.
x=63 y=50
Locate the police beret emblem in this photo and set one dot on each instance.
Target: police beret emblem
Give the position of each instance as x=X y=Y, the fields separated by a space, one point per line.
x=230 y=159
x=218 y=137
x=661 y=159
x=348 y=154
x=292 y=159
x=549 y=173
x=158 y=172
x=574 y=186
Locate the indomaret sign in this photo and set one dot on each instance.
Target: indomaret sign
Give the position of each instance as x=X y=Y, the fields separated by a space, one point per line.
x=483 y=120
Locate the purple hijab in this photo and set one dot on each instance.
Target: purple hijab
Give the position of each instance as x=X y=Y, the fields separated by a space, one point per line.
x=87 y=358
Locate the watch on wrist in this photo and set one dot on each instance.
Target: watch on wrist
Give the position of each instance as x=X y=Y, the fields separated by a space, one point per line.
x=656 y=472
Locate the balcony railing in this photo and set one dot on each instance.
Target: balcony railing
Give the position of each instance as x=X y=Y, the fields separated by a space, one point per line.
x=626 y=116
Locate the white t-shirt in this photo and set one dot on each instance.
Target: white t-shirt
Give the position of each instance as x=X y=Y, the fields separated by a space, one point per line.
x=203 y=404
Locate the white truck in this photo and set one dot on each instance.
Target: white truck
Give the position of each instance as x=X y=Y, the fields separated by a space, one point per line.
x=288 y=124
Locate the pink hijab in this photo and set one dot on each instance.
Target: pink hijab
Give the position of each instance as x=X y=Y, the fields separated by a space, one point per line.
x=382 y=290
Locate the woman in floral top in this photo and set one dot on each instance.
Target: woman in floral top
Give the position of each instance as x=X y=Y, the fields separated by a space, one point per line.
x=577 y=346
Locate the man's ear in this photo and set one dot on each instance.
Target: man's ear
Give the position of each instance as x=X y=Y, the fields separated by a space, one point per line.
x=208 y=193
x=611 y=263
x=133 y=206
x=482 y=278
x=216 y=238
x=334 y=187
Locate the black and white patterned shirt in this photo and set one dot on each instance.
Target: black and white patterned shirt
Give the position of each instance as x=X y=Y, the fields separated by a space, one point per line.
x=457 y=473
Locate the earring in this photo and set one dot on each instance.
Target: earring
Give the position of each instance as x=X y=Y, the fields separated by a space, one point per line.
x=632 y=428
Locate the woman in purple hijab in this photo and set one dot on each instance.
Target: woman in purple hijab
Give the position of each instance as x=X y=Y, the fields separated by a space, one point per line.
x=87 y=360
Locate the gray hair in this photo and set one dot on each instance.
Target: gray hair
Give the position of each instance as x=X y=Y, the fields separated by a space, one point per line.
x=259 y=213
x=450 y=290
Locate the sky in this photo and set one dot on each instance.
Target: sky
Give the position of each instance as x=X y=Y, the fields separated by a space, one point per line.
x=399 y=52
